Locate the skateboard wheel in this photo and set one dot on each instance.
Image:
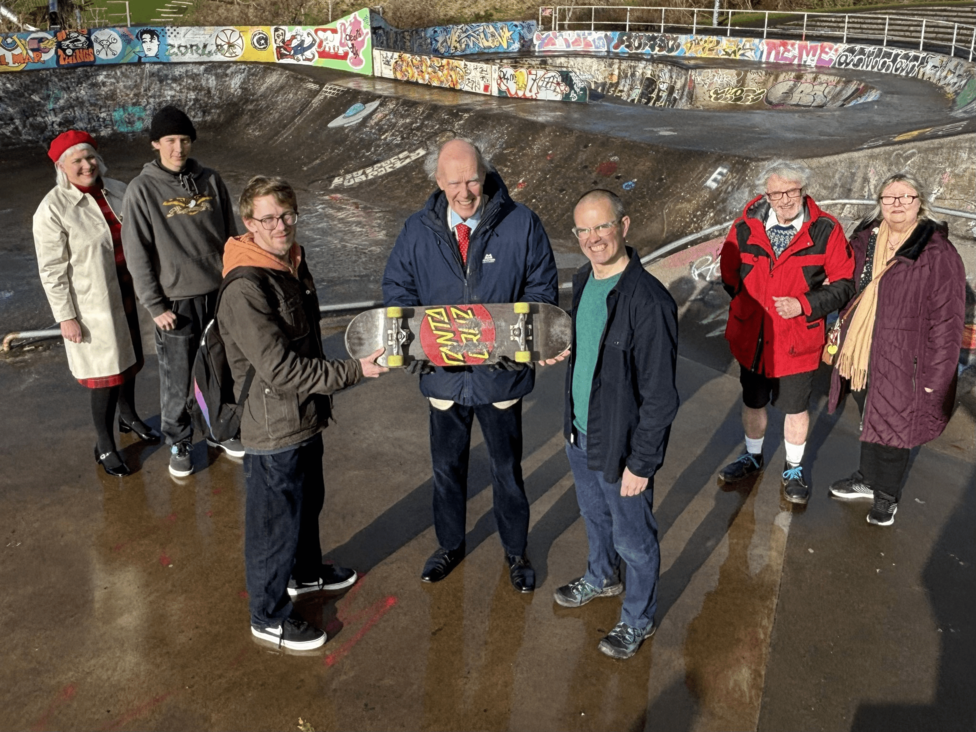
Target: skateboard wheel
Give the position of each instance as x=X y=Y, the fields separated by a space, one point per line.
x=521 y=307
x=394 y=312
x=395 y=360
x=523 y=356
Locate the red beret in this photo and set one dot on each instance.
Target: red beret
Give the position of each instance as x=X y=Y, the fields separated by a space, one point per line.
x=66 y=141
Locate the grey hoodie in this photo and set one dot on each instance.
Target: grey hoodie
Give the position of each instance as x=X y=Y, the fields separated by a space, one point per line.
x=174 y=226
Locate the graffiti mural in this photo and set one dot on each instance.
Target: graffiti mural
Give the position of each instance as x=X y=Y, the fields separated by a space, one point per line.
x=544 y=84
x=374 y=171
x=343 y=45
x=801 y=53
x=571 y=41
x=456 y=40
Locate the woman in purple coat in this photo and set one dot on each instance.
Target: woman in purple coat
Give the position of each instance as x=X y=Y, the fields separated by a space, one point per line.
x=899 y=341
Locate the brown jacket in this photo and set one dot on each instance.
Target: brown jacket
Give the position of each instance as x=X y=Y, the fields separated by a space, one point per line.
x=274 y=326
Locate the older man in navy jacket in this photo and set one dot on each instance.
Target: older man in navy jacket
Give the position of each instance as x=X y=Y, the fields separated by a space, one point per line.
x=471 y=243
x=620 y=401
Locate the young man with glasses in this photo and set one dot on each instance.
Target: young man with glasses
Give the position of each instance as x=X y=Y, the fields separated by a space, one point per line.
x=177 y=216
x=268 y=317
x=786 y=264
x=620 y=401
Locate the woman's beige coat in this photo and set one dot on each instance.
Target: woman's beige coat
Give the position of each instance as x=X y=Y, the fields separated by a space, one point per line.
x=76 y=261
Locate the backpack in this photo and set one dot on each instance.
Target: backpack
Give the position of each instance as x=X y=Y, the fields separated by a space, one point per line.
x=215 y=411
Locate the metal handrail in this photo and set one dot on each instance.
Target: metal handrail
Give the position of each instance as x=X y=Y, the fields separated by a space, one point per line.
x=936 y=30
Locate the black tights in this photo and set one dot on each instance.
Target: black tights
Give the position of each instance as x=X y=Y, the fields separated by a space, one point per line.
x=103 y=404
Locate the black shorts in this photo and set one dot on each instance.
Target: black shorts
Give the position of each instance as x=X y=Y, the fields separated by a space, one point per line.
x=789 y=394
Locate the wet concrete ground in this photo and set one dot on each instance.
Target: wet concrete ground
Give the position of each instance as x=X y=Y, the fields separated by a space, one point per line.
x=124 y=600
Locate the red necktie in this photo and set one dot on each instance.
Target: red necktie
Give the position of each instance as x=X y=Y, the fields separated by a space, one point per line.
x=463 y=236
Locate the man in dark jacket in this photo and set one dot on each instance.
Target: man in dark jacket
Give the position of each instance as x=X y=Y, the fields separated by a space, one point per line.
x=620 y=401
x=269 y=322
x=177 y=216
x=471 y=243
x=786 y=264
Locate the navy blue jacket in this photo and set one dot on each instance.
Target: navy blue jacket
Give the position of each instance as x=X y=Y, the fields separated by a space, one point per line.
x=509 y=260
x=633 y=398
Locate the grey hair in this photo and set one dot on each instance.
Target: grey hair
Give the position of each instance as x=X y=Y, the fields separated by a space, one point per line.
x=430 y=162
x=924 y=208
x=616 y=204
x=62 y=177
x=786 y=169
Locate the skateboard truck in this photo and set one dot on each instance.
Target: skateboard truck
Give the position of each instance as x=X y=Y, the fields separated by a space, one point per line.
x=395 y=337
x=521 y=332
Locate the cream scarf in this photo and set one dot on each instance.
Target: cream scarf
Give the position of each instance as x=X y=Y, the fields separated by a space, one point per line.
x=855 y=353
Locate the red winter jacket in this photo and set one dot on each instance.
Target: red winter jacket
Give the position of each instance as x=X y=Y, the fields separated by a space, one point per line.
x=816 y=268
x=916 y=340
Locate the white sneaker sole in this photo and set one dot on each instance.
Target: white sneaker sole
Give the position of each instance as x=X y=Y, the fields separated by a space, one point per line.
x=889 y=522
x=263 y=634
x=231 y=453
x=180 y=473
x=852 y=496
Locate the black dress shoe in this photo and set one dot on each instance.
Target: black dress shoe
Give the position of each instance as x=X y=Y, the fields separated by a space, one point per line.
x=112 y=463
x=521 y=573
x=140 y=429
x=441 y=563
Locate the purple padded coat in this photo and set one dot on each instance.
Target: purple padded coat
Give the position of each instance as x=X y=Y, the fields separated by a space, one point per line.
x=916 y=342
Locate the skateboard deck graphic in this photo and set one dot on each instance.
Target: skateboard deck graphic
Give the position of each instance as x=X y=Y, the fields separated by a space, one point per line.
x=461 y=335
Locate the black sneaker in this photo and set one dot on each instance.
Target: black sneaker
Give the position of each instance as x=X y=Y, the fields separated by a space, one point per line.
x=883 y=511
x=331 y=578
x=579 y=592
x=852 y=489
x=624 y=640
x=794 y=487
x=292 y=633
x=180 y=464
x=232 y=447
x=742 y=467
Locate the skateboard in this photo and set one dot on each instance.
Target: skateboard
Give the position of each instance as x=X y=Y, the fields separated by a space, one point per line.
x=461 y=335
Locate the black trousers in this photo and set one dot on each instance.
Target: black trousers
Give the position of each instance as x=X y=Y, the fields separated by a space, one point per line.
x=882 y=467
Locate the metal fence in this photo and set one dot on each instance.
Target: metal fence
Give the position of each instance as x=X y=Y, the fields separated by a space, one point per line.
x=955 y=39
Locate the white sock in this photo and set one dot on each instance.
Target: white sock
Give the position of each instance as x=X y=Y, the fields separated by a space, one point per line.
x=794 y=453
x=754 y=446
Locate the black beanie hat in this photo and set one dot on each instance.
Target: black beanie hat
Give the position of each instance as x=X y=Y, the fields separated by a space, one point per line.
x=171 y=121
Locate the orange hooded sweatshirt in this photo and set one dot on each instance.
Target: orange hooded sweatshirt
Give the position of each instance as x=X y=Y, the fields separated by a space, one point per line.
x=241 y=251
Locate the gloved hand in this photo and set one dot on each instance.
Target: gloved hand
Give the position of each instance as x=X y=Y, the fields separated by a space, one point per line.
x=508 y=364
x=419 y=366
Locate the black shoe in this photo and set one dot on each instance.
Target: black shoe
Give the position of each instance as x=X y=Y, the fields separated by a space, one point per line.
x=852 y=489
x=293 y=633
x=331 y=578
x=441 y=563
x=883 y=511
x=139 y=428
x=623 y=641
x=112 y=463
x=521 y=573
x=794 y=487
x=742 y=467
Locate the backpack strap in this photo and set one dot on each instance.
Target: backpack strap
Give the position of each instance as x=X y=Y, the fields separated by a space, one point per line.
x=251 y=274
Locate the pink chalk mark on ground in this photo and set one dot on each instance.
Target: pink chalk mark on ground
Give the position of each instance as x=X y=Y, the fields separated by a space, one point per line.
x=209 y=514
x=216 y=491
x=139 y=711
x=165 y=560
x=171 y=518
x=64 y=696
x=242 y=594
x=376 y=611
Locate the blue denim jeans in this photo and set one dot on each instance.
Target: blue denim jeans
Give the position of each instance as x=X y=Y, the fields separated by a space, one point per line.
x=285 y=493
x=450 y=448
x=175 y=350
x=618 y=528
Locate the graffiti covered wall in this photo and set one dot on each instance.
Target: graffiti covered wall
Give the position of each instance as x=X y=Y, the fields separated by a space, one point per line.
x=955 y=76
x=456 y=40
x=345 y=45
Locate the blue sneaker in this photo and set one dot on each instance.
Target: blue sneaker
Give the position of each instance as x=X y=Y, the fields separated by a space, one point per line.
x=579 y=592
x=623 y=641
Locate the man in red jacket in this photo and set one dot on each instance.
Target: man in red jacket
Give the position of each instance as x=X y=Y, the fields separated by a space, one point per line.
x=786 y=265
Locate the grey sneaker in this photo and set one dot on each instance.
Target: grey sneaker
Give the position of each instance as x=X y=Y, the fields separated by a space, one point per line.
x=292 y=633
x=232 y=447
x=852 y=489
x=794 y=486
x=180 y=464
x=623 y=641
x=579 y=592
x=331 y=578
x=742 y=467
x=883 y=511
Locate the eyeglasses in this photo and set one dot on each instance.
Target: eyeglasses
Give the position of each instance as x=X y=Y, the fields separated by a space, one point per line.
x=271 y=222
x=600 y=229
x=905 y=200
x=777 y=195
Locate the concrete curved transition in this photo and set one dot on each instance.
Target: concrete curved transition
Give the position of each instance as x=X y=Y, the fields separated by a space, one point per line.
x=145 y=575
